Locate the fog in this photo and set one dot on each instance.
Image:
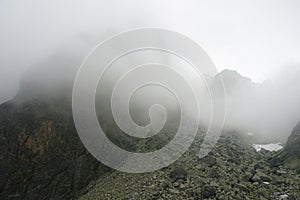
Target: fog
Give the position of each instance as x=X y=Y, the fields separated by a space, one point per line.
x=43 y=45
x=269 y=109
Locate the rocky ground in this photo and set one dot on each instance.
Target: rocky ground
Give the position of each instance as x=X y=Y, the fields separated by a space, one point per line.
x=233 y=170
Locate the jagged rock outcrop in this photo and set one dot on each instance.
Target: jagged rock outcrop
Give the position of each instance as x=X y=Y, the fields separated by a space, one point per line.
x=41 y=155
x=290 y=156
x=293 y=142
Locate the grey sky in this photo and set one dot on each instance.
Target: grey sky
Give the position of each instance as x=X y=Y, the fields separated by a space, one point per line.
x=256 y=38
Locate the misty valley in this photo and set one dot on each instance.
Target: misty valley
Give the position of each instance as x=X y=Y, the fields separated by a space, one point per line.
x=150 y=100
x=42 y=156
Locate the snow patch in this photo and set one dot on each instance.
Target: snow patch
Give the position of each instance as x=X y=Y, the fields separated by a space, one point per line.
x=269 y=147
x=284 y=196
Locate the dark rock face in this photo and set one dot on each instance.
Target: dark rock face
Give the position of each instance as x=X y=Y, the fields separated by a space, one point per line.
x=293 y=142
x=290 y=156
x=41 y=156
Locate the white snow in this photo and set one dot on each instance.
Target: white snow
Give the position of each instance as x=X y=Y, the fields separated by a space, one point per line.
x=250 y=134
x=269 y=147
x=284 y=196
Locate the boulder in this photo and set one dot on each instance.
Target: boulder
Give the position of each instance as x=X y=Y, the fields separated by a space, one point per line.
x=178 y=173
x=209 y=191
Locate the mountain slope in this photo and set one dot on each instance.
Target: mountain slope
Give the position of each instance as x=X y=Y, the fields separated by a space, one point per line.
x=290 y=156
x=233 y=170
